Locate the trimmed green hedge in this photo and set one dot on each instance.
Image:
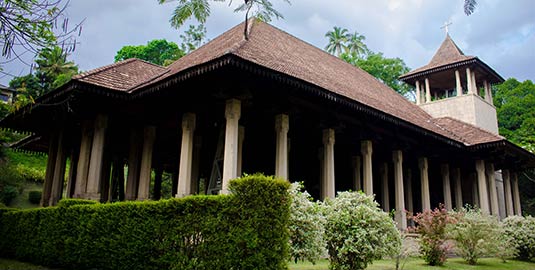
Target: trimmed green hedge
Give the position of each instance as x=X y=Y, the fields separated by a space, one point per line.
x=245 y=230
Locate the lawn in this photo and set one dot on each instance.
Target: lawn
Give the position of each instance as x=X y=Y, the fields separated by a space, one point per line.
x=6 y=264
x=418 y=264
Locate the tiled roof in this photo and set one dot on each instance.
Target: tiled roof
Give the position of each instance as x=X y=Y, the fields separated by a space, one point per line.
x=274 y=49
x=466 y=133
x=447 y=54
x=122 y=76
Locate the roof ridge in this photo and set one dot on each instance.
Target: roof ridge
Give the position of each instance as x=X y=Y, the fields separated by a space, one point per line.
x=110 y=66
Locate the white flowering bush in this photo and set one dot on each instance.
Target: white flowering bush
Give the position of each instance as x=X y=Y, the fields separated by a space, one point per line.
x=522 y=232
x=306 y=226
x=358 y=231
x=476 y=235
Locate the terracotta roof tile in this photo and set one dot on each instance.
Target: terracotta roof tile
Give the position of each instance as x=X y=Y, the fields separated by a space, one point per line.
x=447 y=54
x=466 y=133
x=122 y=76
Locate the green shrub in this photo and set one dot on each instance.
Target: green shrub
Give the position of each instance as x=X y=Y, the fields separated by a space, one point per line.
x=8 y=193
x=34 y=196
x=71 y=202
x=244 y=230
x=358 y=231
x=30 y=173
x=307 y=226
x=431 y=225
x=476 y=235
x=522 y=232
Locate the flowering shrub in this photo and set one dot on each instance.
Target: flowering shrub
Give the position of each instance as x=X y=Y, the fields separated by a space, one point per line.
x=431 y=225
x=522 y=232
x=358 y=231
x=477 y=234
x=306 y=226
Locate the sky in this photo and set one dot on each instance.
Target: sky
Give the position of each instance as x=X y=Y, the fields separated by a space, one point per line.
x=500 y=32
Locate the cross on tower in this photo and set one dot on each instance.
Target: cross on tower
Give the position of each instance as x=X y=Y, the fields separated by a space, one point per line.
x=445 y=26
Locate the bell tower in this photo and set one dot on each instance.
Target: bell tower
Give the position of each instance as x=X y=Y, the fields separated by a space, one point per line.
x=456 y=85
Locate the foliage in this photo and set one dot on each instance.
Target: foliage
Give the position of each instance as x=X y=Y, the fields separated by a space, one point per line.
x=193 y=38
x=29 y=26
x=72 y=202
x=53 y=69
x=8 y=193
x=306 y=226
x=244 y=230
x=515 y=106
x=29 y=167
x=476 y=235
x=156 y=51
x=10 y=182
x=522 y=232
x=386 y=70
x=352 y=49
x=358 y=231
x=469 y=6
x=34 y=196
x=200 y=10
x=431 y=225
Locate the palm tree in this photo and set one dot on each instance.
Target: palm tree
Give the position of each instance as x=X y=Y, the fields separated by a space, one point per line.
x=200 y=10
x=469 y=6
x=337 y=39
x=53 y=68
x=356 y=46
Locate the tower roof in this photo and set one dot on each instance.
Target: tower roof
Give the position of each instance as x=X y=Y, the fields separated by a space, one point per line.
x=449 y=55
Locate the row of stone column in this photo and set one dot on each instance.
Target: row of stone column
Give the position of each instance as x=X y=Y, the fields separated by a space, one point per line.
x=471 y=85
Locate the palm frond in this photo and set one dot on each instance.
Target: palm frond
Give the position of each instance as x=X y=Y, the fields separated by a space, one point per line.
x=469 y=6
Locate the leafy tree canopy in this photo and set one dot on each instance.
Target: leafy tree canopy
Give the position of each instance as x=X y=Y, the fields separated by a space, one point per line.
x=351 y=48
x=156 y=51
x=515 y=106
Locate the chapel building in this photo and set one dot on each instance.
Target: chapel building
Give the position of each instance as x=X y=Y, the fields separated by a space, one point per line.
x=274 y=104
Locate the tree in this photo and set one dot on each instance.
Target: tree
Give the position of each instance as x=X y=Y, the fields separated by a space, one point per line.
x=469 y=6
x=355 y=45
x=200 y=10
x=156 y=51
x=306 y=226
x=193 y=38
x=358 y=231
x=337 y=41
x=29 y=26
x=53 y=68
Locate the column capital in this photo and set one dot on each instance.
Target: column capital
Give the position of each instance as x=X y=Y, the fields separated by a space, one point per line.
x=188 y=121
x=355 y=161
x=366 y=147
x=489 y=168
x=480 y=166
x=282 y=123
x=445 y=168
x=397 y=156
x=101 y=121
x=328 y=136
x=149 y=132
x=233 y=109
x=422 y=163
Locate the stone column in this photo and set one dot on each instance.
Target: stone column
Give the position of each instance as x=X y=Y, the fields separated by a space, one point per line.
x=367 y=176
x=458 y=83
x=96 y=164
x=400 y=215
x=475 y=192
x=149 y=135
x=446 y=186
x=492 y=190
x=71 y=178
x=59 y=171
x=50 y=166
x=385 y=196
x=474 y=83
x=241 y=137
x=516 y=195
x=469 y=84
x=281 y=152
x=356 y=161
x=458 y=188
x=418 y=93
x=509 y=209
x=427 y=91
x=328 y=185
x=195 y=166
x=132 y=181
x=230 y=158
x=424 y=179
x=186 y=155
x=482 y=187
x=83 y=160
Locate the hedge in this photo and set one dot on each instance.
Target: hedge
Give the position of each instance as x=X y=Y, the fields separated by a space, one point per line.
x=244 y=230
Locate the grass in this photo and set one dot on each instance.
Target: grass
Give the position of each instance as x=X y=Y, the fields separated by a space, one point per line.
x=418 y=264
x=411 y=264
x=22 y=201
